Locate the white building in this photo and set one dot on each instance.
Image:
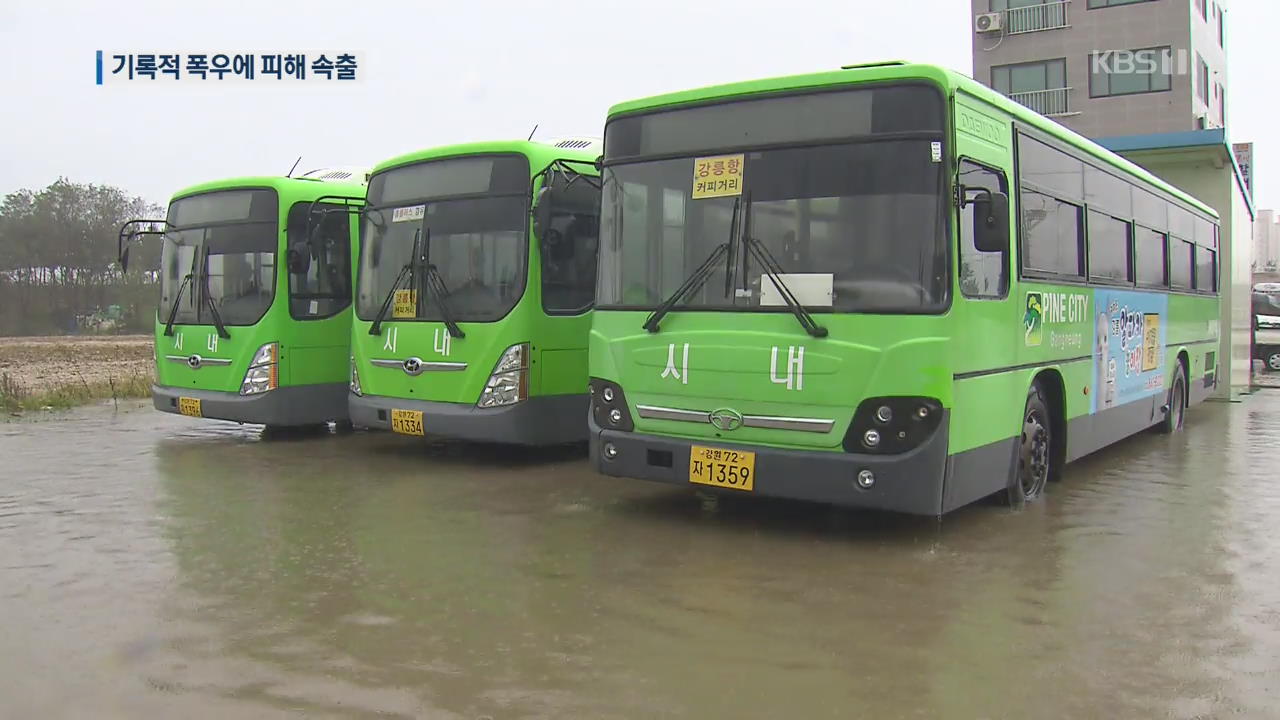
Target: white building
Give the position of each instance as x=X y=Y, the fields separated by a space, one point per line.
x=1266 y=242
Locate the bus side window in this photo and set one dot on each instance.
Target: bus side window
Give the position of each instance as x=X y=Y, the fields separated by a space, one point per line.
x=982 y=274
x=324 y=288
x=569 y=248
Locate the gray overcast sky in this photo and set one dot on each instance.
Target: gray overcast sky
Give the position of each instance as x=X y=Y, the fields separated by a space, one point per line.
x=442 y=72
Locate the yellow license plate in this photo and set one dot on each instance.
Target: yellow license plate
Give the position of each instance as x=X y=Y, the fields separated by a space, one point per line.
x=406 y=422
x=732 y=469
x=189 y=406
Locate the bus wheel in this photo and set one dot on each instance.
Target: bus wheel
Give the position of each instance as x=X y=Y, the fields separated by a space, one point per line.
x=1033 y=451
x=1273 y=360
x=1177 y=407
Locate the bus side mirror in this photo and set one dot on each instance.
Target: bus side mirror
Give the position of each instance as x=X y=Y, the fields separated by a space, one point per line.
x=990 y=221
x=542 y=211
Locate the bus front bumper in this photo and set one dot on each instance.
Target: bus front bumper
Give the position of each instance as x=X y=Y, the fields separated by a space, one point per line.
x=282 y=407
x=910 y=483
x=546 y=420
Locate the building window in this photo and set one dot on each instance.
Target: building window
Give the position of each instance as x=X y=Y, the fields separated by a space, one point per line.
x=1024 y=16
x=1222 y=104
x=1222 y=28
x=1003 y=5
x=1095 y=4
x=1202 y=6
x=1041 y=86
x=1029 y=77
x=1202 y=79
x=1130 y=72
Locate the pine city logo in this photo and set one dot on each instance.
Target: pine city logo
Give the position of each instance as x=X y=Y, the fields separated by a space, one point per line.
x=1052 y=308
x=1033 y=320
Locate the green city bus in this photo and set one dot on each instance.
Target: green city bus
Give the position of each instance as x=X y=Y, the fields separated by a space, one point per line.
x=885 y=286
x=240 y=336
x=475 y=284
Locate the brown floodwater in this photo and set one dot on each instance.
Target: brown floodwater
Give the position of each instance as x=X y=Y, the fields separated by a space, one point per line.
x=156 y=566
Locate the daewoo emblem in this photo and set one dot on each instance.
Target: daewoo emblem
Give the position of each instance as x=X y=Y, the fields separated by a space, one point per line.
x=726 y=419
x=194 y=362
x=413 y=366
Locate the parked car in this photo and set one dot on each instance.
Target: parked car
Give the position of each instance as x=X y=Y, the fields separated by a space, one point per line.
x=1266 y=330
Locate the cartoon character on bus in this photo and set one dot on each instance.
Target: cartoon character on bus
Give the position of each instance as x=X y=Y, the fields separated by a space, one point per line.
x=1104 y=365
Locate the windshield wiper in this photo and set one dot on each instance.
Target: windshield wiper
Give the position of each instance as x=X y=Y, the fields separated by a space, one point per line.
x=376 y=327
x=438 y=291
x=208 y=297
x=173 y=309
x=698 y=278
x=771 y=267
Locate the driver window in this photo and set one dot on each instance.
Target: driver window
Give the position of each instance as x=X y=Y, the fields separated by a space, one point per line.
x=982 y=274
x=569 y=247
x=324 y=247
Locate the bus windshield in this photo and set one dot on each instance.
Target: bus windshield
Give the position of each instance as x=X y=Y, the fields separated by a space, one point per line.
x=470 y=216
x=845 y=190
x=226 y=241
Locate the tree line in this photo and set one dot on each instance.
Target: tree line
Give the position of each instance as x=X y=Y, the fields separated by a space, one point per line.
x=58 y=270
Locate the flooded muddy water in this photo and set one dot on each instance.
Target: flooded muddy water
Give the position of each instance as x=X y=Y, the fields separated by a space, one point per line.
x=156 y=566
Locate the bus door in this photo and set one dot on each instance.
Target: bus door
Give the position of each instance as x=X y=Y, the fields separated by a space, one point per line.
x=318 y=267
x=988 y=318
x=567 y=251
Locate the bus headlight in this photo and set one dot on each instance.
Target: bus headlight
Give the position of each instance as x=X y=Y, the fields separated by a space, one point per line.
x=355 y=378
x=508 y=384
x=263 y=374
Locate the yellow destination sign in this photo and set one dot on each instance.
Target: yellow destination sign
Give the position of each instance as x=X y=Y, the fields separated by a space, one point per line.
x=405 y=304
x=718 y=176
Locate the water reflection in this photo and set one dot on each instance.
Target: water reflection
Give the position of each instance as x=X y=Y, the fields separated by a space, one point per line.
x=360 y=575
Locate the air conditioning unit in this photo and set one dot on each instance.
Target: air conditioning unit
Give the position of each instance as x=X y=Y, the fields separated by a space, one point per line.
x=989 y=22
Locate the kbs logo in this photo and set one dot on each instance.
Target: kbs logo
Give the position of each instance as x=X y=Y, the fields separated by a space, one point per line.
x=1162 y=61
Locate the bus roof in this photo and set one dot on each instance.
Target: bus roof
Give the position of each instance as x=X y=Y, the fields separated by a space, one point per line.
x=312 y=187
x=540 y=154
x=949 y=80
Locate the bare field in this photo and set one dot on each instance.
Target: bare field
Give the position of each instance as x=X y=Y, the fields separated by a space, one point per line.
x=39 y=365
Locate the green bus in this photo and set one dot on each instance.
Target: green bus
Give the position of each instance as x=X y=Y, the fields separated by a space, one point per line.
x=240 y=336
x=475 y=284
x=885 y=286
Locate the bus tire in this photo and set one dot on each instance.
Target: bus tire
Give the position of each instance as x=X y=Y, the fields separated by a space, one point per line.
x=1034 y=457
x=1176 y=410
x=1271 y=356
